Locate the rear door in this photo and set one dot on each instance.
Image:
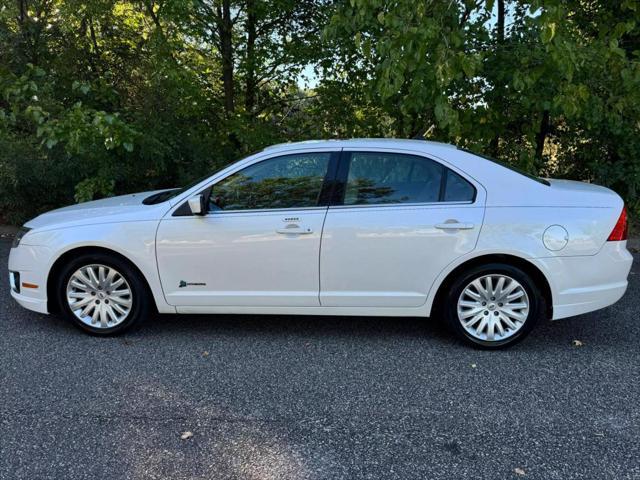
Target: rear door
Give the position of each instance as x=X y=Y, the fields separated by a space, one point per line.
x=397 y=220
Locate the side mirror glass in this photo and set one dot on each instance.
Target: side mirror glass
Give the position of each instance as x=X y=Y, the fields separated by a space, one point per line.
x=196 y=205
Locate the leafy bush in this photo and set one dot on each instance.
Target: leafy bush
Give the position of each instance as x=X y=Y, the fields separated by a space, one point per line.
x=101 y=98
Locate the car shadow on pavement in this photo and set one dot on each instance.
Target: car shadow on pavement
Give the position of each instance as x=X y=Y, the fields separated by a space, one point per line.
x=296 y=325
x=594 y=330
x=589 y=330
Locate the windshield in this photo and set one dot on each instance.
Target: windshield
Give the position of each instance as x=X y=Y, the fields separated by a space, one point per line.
x=510 y=167
x=174 y=192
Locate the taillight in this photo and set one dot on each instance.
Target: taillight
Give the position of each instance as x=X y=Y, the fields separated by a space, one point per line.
x=619 y=232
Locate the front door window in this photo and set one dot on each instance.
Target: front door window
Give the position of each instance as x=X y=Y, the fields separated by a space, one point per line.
x=290 y=181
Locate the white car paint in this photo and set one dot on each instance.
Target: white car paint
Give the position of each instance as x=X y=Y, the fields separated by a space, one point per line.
x=357 y=260
x=241 y=259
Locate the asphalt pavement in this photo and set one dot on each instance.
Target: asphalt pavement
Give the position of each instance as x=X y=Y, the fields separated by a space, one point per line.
x=271 y=397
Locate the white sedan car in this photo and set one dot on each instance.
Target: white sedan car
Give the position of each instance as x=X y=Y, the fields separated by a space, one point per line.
x=354 y=227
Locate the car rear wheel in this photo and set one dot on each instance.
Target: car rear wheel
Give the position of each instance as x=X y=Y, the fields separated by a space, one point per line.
x=102 y=294
x=493 y=306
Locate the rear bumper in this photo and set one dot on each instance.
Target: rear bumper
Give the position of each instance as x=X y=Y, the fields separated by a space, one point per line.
x=583 y=284
x=590 y=300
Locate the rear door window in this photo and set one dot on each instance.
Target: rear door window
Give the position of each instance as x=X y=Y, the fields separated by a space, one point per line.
x=376 y=178
x=382 y=178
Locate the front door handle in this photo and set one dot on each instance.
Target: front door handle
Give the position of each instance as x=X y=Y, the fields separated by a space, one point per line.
x=454 y=226
x=294 y=230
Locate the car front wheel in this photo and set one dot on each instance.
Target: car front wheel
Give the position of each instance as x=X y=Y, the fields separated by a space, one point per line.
x=101 y=294
x=493 y=306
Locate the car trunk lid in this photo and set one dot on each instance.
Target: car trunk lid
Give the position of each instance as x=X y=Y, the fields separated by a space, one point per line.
x=581 y=194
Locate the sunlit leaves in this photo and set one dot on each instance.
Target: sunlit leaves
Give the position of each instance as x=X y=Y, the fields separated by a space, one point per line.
x=89 y=188
x=409 y=57
x=548 y=32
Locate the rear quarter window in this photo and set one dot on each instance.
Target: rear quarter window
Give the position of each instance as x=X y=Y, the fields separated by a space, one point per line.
x=457 y=189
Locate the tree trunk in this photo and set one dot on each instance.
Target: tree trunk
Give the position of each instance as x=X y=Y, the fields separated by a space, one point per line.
x=495 y=141
x=94 y=40
x=225 y=31
x=494 y=145
x=542 y=134
x=251 y=83
x=22 y=9
x=500 y=23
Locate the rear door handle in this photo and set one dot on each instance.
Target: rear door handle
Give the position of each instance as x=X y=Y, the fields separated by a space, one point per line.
x=454 y=226
x=294 y=230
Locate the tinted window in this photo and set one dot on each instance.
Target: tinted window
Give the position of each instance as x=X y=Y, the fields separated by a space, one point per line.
x=291 y=181
x=377 y=177
x=458 y=189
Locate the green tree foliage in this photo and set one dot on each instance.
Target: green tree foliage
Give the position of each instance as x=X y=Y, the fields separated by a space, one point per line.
x=549 y=85
x=106 y=96
x=102 y=97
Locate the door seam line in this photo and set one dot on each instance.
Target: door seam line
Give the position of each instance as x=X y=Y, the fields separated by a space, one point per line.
x=320 y=256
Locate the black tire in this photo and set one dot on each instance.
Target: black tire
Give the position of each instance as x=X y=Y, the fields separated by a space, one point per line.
x=139 y=292
x=450 y=307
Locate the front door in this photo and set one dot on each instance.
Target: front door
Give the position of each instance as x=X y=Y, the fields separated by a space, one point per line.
x=399 y=221
x=259 y=244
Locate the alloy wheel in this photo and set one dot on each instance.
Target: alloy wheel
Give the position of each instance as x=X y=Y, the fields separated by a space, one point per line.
x=99 y=296
x=493 y=307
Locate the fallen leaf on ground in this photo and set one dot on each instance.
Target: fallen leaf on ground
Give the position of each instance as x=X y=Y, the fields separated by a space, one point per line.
x=186 y=435
x=473 y=365
x=205 y=354
x=519 y=471
x=577 y=343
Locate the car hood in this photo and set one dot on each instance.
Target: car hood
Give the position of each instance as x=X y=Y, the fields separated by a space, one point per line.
x=112 y=209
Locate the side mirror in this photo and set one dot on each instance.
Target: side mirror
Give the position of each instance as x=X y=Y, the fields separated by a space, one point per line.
x=197 y=205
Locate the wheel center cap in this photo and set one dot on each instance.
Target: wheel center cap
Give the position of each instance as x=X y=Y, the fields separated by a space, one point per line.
x=492 y=306
x=100 y=295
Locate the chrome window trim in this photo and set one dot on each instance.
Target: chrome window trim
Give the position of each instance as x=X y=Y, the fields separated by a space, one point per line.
x=263 y=210
x=341 y=207
x=417 y=204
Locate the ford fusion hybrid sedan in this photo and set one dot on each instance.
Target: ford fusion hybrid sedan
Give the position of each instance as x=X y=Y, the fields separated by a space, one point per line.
x=346 y=227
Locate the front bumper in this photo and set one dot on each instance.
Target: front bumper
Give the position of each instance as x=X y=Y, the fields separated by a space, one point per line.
x=582 y=284
x=32 y=264
x=30 y=303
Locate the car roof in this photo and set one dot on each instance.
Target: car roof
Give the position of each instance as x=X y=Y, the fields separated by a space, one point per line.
x=399 y=143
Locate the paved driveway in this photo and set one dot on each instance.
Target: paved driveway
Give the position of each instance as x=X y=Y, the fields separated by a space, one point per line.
x=317 y=398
